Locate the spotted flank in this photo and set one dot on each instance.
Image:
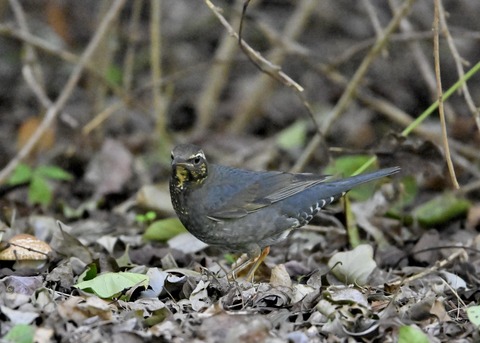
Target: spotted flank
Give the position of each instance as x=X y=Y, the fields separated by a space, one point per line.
x=305 y=217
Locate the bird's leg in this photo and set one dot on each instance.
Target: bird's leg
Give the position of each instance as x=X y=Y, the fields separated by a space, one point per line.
x=239 y=265
x=259 y=259
x=245 y=260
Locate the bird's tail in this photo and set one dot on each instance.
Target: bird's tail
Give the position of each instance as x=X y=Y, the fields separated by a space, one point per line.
x=344 y=185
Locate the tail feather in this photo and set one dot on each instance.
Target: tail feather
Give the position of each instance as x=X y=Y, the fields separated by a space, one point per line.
x=344 y=185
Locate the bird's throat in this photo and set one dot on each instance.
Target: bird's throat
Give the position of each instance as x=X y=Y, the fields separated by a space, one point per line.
x=182 y=176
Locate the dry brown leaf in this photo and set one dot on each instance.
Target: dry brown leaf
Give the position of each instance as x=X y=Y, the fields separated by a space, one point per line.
x=26 y=130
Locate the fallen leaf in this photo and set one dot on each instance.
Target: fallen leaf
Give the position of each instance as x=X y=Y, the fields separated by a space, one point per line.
x=280 y=276
x=110 y=169
x=353 y=266
x=164 y=229
x=110 y=284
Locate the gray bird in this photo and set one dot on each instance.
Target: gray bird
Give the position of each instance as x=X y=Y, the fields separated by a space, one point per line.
x=247 y=211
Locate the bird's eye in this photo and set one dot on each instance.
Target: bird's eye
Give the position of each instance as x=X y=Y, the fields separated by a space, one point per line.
x=197 y=160
x=171 y=156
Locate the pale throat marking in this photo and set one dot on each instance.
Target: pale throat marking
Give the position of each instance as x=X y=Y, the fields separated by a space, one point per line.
x=182 y=176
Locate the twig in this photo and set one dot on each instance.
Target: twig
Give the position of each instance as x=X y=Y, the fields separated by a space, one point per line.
x=53 y=111
x=454 y=291
x=423 y=62
x=349 y=92
x=101 y=117
x=374 y=19
x=349 y=53
x=436 y=267
x=36 y=87
x=132 y=39
x=474 y=70
x=471 y=187
x=159 y=98
x=403 y=119
x=217 y=76
x=251 y=52
x=32 y=71
x=102 y=59
x=38 y=42
x=270 y=67
x=458 y=63
x=420 y=59
x=107 y=112
x=436 y=55
x=63 y=54
x=292 y=29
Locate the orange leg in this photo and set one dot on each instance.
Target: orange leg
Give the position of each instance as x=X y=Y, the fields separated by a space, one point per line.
x=258 y=261
x=242 y=262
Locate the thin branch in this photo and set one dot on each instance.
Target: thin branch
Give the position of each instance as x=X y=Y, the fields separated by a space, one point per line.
x=132 y=39
x=65 y=55
x=438 y=266
x=271 y=69
x=458 y=63
x=396 y=115
x=469 y=74
x=436 y=55
x=348 y=54
x=31 y=70
x=375 y=21
x=62 y=99
x=263 y=85
x=102 y=59
x=279 y=75
x=349 y=92
x=270 y=66
x=159 y=98
x=217 y=76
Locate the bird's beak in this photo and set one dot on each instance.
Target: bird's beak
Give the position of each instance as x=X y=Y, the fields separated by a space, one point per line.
x=180 y=164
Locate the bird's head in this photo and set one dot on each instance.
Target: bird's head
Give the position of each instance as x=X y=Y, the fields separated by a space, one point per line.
x=189 y=165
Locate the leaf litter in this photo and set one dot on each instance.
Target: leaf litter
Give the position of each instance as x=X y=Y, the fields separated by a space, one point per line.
x=402 y=265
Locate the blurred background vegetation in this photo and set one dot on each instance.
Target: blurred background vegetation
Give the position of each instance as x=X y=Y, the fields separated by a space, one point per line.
x=164 y=72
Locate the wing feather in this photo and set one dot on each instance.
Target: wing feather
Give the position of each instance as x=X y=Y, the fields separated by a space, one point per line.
x=268 y=189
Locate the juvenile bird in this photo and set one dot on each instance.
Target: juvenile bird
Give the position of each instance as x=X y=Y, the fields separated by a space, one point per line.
x=247 y=211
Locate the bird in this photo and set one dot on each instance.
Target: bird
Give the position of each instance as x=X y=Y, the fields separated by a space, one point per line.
x=248 y=211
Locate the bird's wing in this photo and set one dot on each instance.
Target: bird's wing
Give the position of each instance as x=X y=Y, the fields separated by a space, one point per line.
x=270 y=188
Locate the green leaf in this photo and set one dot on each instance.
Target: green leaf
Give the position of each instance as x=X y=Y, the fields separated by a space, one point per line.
x=164 y=229
x=229 y=258
x=53 y=172
x=20 y=333
x=145 y=217
x=410 y=190
x=110 y=284
x=90 y=273
x=39 y=191
x=409 y=194
x=441 y=209
x=21 y=174
x=150 y=215
x=114 y=75
x=293 y=136
x=473 y=313
x=345 y=166
x=412 y=334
